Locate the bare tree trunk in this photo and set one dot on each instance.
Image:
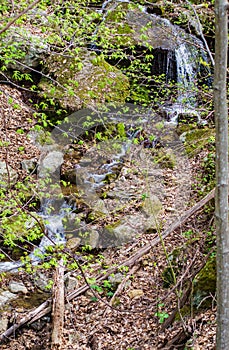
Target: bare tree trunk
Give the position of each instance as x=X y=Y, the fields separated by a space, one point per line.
x=221 y=195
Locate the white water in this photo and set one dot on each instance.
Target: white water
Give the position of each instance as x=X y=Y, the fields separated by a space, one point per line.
x=187 y=68
x=54 y=234
x=186 y=59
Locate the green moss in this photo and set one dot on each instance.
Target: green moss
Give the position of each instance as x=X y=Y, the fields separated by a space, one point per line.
x=110 y=228
x=166 y=159
x=184 y=312
x=83 y=80
x=196 y=140
x=204 y=285
x=117 y=24
x=176 y=260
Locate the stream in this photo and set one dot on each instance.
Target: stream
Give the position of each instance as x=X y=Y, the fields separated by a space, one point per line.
x=101 y=162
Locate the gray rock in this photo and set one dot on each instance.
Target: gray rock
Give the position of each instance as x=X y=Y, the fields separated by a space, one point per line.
x=73 y=243
x=32 y=45
x=116 y=278
x=41 y=281
x=17 y=287
x=92 y=240
x=8 y=176
x=3 y=323
x=71 y=283
x=161 y=34
x=121 y=232
x=130 y=226
x=6 y=297
x=152 y=205
x=29 y=165
x=50 y=163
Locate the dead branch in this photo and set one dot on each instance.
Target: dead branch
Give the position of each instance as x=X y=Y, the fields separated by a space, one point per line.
x=122 y=285
x=184 y=297
x=201 y=33
x=45 y=308
x=58 y=307
x=18 y=16
x=26 y=319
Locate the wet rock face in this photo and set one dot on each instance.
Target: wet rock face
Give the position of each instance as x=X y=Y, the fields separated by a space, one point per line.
x=164 y=62
x=159 y=32
x=177 y=112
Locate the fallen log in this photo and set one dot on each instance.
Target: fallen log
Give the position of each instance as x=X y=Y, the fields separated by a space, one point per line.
x=58 y=307
x=45 y=308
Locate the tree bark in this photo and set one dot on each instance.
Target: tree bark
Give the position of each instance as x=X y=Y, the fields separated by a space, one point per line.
x=221 y=196
x=58 y=308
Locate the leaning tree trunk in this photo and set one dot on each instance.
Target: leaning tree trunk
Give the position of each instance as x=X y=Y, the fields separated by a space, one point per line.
x=221 y=198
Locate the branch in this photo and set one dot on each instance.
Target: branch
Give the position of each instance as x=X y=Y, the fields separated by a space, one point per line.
x=45 y=308
x=18 y=16
x=201 y=33
x=58 y=307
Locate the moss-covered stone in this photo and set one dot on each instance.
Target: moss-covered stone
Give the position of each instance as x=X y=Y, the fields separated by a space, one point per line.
x=117 y=23
x=166 y=159
x=196 y=140
x=83 y=80
x=176 y=261
x=204 y=285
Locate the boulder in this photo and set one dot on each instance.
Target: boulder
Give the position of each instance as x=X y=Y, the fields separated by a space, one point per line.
x=17 y=287
x=83 y=80
x=29 y=47
x=50 y=164
x=6 y=297
x=29 y=165
x=8 y=176
x=73 y=243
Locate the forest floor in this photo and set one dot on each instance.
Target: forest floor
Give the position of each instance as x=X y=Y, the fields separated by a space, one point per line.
x=145 y=309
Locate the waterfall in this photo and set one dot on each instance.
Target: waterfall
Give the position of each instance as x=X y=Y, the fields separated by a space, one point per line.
x=187 y=54
x=54 y=234
x=186 y=59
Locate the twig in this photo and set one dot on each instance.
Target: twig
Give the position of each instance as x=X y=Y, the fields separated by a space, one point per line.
x=45 y=308
x=122 y=285
x=201 y=33
x=18 y=16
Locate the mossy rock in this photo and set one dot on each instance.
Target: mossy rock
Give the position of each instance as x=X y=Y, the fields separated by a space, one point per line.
x=166 y=159
x=117 y=23
x=196 y=140
x=204 y=285
x=176 y=260
x=83 y=80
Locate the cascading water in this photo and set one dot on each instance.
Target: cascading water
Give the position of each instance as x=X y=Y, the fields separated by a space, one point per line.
x=187 y=68
x=188 y=53
x=186 y=74
x=54 y=234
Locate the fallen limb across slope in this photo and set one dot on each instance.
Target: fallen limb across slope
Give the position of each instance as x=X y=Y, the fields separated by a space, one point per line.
x=45 y=308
